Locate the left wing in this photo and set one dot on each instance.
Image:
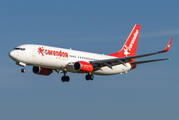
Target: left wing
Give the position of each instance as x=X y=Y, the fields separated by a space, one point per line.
x=123 y=60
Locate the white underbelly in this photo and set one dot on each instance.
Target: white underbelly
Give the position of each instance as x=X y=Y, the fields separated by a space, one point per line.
x=115 y=69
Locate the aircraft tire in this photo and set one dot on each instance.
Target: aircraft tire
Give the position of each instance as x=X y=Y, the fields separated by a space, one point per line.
x=67 y=78
x=23 y=70
x=91 y=77
x=63 y=78
x=87 y=77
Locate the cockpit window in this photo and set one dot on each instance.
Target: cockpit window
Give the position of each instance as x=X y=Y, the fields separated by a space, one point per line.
x=19 y=48
x=16 y=48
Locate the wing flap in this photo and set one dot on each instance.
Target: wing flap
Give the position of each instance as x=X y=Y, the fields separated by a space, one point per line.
x=147 y=61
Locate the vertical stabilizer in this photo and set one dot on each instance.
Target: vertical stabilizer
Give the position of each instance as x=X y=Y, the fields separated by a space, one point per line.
x=130 y=46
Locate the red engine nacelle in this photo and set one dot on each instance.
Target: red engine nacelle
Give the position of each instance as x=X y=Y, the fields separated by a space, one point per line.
x=83 y=66
x=42 y=71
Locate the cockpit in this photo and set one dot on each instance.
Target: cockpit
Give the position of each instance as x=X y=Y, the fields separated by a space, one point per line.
x=17 y=48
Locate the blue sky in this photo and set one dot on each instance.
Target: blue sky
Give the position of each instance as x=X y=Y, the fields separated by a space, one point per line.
x=100 y=26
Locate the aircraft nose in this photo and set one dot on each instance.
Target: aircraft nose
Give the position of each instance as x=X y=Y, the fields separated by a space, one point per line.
x=12 y=54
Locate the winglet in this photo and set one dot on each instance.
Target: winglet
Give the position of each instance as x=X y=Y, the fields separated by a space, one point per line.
x=168 y=46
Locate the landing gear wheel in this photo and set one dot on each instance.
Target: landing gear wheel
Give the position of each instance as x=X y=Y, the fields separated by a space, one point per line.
x=65 y=78
x=87 y=77
x=91 y=77
x=23 y=70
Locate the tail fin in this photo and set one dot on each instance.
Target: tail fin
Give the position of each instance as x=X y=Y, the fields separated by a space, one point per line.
x=130 y=46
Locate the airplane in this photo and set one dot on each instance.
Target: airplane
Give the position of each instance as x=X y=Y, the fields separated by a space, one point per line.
x=46 y=59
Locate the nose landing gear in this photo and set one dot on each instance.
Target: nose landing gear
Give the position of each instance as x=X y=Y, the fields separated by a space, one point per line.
x=23 y=65
x=23 y=70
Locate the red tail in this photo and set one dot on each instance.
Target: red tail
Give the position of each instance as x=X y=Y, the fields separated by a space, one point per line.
x=130 y=47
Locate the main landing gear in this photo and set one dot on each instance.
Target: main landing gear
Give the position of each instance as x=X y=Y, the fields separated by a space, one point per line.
x=65 y=78
x=89 y=77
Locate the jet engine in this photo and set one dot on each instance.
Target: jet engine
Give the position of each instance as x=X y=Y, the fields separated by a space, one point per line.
x=42 y=71
x=82 y=66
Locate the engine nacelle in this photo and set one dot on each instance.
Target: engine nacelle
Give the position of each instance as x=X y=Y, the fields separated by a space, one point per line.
x=82 y=66
x=42 y=71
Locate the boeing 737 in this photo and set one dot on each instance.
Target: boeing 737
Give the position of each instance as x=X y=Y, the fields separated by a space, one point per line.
x=46 y=59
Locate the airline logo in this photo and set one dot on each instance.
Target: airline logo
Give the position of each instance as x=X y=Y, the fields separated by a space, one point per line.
x=127 y=49
x=60 y=53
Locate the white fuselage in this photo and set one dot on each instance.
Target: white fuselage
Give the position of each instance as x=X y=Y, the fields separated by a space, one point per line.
x=60 y=59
